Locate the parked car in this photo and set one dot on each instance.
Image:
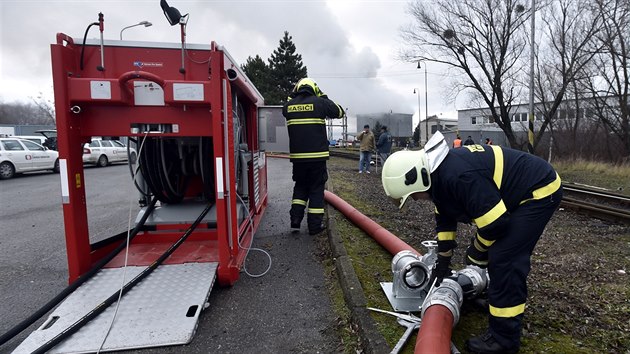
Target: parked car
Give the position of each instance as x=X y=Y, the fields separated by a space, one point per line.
x=103 y=152
x=20 y=155
x=39 y=139
x=51 y=138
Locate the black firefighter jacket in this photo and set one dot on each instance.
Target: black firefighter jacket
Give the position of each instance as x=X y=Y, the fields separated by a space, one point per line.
x=306 y=121
x=483 y=184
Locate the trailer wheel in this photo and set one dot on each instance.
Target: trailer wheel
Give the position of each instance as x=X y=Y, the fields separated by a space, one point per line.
x=6 y=170
x=102 y=161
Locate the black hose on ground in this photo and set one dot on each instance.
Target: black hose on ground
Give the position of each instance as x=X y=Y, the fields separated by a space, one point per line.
x=114 y=297
x=79 y=281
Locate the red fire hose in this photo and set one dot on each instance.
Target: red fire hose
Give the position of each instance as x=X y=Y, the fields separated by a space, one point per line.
x=385 y=238
x=434 y=336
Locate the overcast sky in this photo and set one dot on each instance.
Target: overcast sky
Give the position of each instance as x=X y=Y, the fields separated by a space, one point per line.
x=349 y=47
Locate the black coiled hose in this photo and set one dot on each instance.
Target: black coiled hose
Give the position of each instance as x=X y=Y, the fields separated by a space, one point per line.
x=168 y=174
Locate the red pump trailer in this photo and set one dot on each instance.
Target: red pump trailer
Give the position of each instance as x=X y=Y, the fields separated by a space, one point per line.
x=145 y=90
x=194 y=117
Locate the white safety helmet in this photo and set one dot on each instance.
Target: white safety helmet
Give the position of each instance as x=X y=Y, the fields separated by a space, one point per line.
x=406 y=172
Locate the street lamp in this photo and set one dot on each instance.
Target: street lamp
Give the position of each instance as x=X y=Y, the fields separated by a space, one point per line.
x=143 y=23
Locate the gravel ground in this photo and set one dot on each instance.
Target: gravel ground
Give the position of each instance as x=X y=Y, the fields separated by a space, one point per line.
x=578 y=286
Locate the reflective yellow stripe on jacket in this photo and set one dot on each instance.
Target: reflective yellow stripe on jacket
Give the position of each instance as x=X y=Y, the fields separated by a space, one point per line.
x=489 y=217
x=498 y=210
x=545 y=191
x=297 y=121
x=498 y=166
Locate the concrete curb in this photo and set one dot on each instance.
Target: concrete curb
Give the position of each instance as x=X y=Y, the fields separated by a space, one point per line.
x=371 y=339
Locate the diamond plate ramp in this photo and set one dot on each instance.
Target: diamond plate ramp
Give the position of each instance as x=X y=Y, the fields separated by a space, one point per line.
x=161 y=310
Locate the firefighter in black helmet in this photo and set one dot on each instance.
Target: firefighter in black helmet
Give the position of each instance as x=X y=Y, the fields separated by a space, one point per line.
x=306 y=113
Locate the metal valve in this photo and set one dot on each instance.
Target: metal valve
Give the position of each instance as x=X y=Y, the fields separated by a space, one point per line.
x=430 y=257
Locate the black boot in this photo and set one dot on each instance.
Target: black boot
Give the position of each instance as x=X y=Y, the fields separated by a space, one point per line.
x=486 y=344
x=316 y=230
x=295 y=222
x=297 y=214
x=315 y=224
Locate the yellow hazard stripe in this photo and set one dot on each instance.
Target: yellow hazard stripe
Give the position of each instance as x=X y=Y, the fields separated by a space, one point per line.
x=315 y=210
x=297 y=121
x=479 y=246
x=308 y=155
x=549 y=189
x=507 y=311
x=448 y=253
x=489 y=217
x=298 y=202
x=498 y=166
x=476 y=261
x=483 y=241
x=340 y=111
x=446 y=235
x=545 y=191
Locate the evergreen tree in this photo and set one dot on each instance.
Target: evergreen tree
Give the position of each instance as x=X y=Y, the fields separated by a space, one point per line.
x=258 y=72
x=377 y=130
x=285 y=69
x=416 y=135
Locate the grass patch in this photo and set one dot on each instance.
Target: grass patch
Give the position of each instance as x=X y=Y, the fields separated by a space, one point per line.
x=614 y=177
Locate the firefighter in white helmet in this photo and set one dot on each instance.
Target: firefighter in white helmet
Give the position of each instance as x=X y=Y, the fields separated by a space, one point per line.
x=508 y=194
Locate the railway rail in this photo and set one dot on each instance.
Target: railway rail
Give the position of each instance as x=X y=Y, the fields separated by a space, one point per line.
x=596 y=202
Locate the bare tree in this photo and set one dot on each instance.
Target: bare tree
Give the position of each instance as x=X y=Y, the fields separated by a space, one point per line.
x=482 y=39
x=609 y=82
x=39 y=111
x=46 y=109
x=566 y=48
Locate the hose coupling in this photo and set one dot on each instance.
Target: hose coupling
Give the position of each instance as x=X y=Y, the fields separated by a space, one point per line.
x=449 y=294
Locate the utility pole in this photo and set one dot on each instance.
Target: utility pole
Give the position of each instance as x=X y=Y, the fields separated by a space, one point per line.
x=426 y=104
x=530 y=144
x=417 y=92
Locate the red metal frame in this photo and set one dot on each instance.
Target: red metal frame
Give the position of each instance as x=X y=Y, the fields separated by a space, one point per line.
x=81 y=114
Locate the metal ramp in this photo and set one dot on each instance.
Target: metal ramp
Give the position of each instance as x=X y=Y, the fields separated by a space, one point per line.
x=161 y=310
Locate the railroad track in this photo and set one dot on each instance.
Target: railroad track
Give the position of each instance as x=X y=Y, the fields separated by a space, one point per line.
x=597 y=202
x=593 y=201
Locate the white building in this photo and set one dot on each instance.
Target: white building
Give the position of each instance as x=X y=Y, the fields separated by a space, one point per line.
x=479 y=124
x=447 y=126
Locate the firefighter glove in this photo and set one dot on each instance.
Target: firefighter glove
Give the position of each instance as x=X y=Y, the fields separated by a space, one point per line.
x=441 y=270
x=477 y=253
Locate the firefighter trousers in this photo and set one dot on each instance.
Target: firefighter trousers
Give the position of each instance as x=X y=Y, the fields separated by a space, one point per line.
x=509 y=264
x=310 y=179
